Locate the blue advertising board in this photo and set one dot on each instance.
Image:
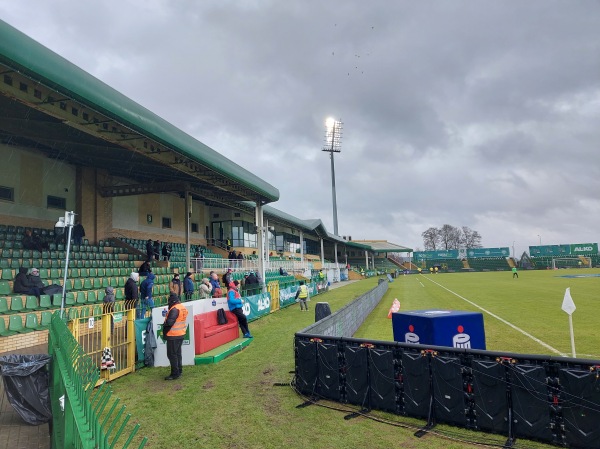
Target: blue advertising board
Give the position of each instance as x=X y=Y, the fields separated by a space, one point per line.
x=451 y=328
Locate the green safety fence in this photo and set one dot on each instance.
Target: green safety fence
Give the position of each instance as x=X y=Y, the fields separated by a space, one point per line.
x=83 y=416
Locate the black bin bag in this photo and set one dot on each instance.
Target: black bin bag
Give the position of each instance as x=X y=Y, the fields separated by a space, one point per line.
x=26 y=385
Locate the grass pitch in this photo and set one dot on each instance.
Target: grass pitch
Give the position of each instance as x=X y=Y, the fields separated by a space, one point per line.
x=234 y=404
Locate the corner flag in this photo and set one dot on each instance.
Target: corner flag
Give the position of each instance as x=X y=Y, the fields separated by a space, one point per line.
x=568 y=305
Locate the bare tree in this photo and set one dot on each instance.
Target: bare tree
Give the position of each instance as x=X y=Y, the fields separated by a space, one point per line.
x=470 y=238
x=450 y=237
x=431 y=239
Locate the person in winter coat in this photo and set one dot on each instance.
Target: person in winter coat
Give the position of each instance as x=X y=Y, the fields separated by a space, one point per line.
x=22 y=284
x=34 y=279
x=144 y=269
x=175 y=286
x=227 y=277
x=205 y=289
x=156 y=249
x=109 y=305
x=132 y=293
x=146 y=295
x=188 y=285
x=166 y=251
x=235 y=304
x=149 y=250
x=216 y=287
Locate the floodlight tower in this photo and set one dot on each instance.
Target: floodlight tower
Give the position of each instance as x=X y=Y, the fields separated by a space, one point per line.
x=333 y=144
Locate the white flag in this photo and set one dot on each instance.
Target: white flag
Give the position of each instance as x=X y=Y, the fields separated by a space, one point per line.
x=568 y=305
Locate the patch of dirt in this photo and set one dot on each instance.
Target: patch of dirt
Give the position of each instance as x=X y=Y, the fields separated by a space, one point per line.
x=209 y=385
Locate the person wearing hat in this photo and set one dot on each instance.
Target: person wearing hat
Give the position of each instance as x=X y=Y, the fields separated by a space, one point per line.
x=188 y=285
x=132 y=292
x=34 y=279
x=174 y=328
x=205 y=289
x=235 y=304
x=227 y=277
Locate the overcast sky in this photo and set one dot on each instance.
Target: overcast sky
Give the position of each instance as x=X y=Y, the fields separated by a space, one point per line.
x=470 y=113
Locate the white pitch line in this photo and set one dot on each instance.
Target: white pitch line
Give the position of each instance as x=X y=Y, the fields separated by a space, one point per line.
x=537 y=340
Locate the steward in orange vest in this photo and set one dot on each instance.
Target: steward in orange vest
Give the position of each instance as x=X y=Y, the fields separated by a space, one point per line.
x=174 y=329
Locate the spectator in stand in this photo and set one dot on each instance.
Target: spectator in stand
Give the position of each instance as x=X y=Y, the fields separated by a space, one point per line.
x=132 y=291
x=205 y=289
x=33 y=242
x=175 y=285
x=34 y=279
x=146 y=294
x=216 y=287
x=282 y=272
x=78 y=233
x=109 y=305
x=144 y=269
x=227 y=277
x=251 y=284
x=235 y=304
x=166 y=251
x=232 y=258
x=149 y=250
x=156 y=249
x=188 y=285
x=240 y=258
x=22 y=285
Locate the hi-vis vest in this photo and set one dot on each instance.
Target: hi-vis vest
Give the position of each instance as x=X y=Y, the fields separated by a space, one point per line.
x=303 y=292
x=178 y=329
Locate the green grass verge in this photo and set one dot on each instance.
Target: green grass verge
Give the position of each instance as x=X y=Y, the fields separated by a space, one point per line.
x=234 y=404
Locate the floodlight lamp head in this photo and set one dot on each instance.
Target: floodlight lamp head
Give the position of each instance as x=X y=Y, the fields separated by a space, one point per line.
x=60 y=223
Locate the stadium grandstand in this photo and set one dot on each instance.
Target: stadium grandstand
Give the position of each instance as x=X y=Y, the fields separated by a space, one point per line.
x=72 y=143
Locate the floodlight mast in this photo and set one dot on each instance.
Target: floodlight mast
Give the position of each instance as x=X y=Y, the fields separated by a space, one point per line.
x=333 y=144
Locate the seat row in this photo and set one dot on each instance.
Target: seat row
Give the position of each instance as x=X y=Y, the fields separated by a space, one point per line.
x=15 y=324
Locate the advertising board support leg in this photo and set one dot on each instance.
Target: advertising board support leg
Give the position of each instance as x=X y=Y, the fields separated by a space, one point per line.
x=431 y=414
x=510 y=441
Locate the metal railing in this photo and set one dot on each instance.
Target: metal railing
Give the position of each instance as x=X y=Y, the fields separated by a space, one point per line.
x=76 y=404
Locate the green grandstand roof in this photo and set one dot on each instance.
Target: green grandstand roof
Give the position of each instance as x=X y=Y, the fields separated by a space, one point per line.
x=28 y=57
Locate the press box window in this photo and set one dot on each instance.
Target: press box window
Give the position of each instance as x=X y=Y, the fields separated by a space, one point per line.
x=7 y=193
x=166 y=222
x=195 y=227
x=56 y=202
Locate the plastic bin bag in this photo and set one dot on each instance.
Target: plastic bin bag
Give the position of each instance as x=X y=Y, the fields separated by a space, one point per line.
x=26 y=385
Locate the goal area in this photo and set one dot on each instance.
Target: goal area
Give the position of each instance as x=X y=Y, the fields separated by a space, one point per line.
x=571 y=262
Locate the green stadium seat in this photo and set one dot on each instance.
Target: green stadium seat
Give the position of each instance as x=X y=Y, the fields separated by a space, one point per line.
x=69 y=299
x=101 y=272
x=84 y=272
x=119 y=295
x=7 y=274
x=77 y=284
x=91 y=297
x=45 y=302
x=87 y=284
x=16 y=304
x=101 y=295
x=93 y=272
x=55 y=273
x=97 y=283
x=81 y=298
x=84 y=312
x=97 y=310
x=45 y=320
x=31 y=322
x=31 y=303
x=4 y=332
x=72 y=314
x=15 y=324
x=4 y=306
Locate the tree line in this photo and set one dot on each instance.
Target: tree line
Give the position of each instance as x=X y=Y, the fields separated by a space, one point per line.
x=450 y=237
